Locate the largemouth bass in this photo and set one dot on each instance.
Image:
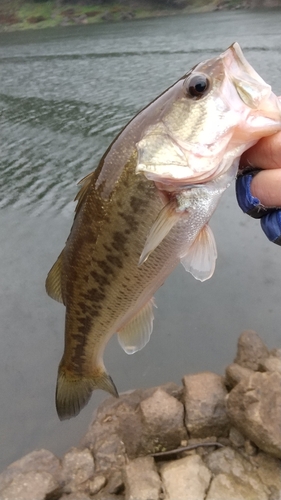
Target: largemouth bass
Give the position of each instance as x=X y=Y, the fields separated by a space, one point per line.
x=146 y=208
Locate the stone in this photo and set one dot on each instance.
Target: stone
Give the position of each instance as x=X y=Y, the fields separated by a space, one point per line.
x=30 y=485
x=271 y=364
x=236 y=438
x=117 y=430
x=228 y=461
x=96 y=484
x=254 y=407
x=269 y=471
x=142 y=481
x=78 y=467
x=162 y=422
x=185 y=479
x=250 y=448
x=251 y=351
x=227 y=487
x=75 y=496
x=234 y=373
x=205 y=407
x=38 y=461
x=115 y=482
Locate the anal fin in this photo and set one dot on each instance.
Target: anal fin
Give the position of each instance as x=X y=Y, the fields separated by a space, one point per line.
x=135 y=334
x=200 y=259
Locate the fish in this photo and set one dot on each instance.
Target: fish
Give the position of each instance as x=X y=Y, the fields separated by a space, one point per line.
x=146 y=208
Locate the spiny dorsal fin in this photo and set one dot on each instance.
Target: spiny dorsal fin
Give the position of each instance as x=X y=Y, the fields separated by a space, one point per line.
x=166 y=219
x=53 y=281
x=135 y=334
x=200 y=260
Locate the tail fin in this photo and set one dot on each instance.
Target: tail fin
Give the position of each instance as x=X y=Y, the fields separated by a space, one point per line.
x=73 y=391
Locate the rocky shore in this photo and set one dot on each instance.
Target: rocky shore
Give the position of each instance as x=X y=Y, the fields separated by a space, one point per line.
x=214 y=438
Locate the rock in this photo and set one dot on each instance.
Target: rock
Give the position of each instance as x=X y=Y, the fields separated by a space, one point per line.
x=96 y=484
x=186 y=479
x=78 y=467
x=250 y=448
x=226 y=487
x=117 y=429
x=142 y=482
x=205 y=409
x=254 y=407
x=36 y=462
x=234 y=373
x=228 y=461
x=271 y=364
x=115 y=482
x=236 y=438
x=251 y=351
x=30 y=485
x=163 y=422
x=269 y=471
x=75 y=496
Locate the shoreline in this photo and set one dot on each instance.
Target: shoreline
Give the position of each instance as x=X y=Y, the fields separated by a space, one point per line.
x=15 y=16
x=210 y=438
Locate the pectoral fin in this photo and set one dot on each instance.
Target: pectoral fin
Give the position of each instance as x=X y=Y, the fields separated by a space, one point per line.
x=200 y=259
x=166 y=219
x=53 y=281
x=135 y=334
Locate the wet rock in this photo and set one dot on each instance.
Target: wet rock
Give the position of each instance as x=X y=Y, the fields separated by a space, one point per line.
x=78 y=467
x=107 y=16
x=142 y=481
x=162 y=422
x=234 y=373
x=185 y=479
x=36 y=462
x=254 y=407
x=205 y=408
x=226 y=486
x=251 y=351
x=31 y=485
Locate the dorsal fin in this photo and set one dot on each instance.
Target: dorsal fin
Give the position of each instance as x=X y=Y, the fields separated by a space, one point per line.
x=53 y=281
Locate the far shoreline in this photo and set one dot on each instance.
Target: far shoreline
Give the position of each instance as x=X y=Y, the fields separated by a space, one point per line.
x=48 y=15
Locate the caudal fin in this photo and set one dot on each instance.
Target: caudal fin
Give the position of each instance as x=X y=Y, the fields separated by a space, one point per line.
x=73 y=392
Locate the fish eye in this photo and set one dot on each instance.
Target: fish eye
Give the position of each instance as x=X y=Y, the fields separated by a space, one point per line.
x=197 y=85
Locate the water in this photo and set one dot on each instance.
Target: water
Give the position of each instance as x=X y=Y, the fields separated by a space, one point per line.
x=64 y=95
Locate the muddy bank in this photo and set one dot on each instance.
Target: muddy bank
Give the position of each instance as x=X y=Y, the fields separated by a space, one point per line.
x=214 y=437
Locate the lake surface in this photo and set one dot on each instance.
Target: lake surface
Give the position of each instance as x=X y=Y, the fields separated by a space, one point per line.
x=64 y=94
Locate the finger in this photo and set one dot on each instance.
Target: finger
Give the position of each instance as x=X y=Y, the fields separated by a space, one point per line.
x=265 y=154
x=266 y=186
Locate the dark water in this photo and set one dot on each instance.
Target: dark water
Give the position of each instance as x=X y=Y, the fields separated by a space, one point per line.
x=64 y=94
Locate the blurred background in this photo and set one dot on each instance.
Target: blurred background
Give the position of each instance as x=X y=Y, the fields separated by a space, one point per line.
x=65 y=93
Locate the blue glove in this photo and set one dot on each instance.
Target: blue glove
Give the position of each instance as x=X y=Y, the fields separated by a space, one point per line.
x=270 y=217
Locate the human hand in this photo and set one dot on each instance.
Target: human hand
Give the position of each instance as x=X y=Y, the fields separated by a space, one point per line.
x=259 y=191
